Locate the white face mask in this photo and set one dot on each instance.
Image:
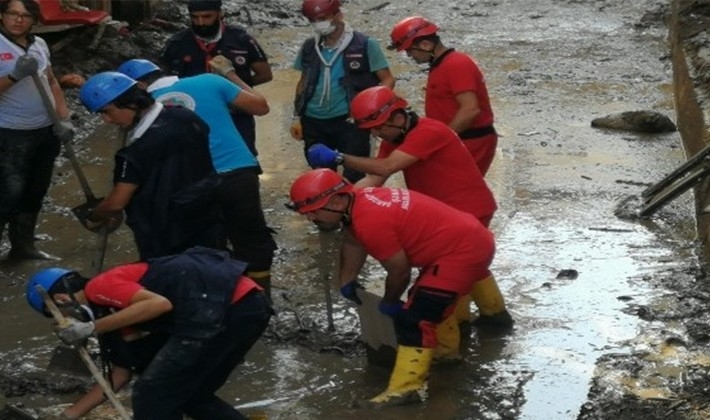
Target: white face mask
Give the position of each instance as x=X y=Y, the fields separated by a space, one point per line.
x=323 y=27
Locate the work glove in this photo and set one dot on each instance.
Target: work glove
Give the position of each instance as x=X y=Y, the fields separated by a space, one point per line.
x=83 y=213
x=349 y=291
x=296 y=129
x=221 y=64
x=26 y=65
x=390 y=308
x=64 y=130
x=73 y=331
x=321 y=156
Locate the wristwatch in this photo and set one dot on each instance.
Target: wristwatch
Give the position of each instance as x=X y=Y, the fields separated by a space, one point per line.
x=339 y=159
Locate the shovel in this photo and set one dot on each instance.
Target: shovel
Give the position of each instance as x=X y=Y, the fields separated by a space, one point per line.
x=377 y=330
x=84 y=355
x=82 y=210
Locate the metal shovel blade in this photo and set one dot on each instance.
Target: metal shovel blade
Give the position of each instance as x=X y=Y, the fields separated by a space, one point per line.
x=377 y=330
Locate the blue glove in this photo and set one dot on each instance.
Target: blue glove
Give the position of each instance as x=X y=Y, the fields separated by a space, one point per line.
x=349 y=291
x=390 y=308
x=322 y=156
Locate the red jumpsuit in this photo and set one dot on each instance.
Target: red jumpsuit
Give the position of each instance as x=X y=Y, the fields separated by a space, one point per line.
x=444 y=170
x=451 y=248
x=451 y=74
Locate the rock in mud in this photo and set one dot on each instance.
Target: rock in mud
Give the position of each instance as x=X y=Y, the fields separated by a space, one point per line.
x=636 y=121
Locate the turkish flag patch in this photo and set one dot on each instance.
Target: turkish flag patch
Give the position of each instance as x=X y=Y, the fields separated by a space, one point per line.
x=6 y=56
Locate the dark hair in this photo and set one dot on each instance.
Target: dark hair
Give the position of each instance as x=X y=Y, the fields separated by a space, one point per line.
x=69 y=283
x=151 y=77
x=203 y=5
x=433 y=38
x=31 y=5
x=134 y=98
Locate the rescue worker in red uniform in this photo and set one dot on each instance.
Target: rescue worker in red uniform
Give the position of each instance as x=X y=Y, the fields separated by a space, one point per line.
x=402 y=229
x=456 y=91
x=209 y=312
x=435 y=163
x=189 y=52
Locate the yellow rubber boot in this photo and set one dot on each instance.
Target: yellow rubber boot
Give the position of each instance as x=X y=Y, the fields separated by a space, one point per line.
x=462 y=312
x=408 y=382
x=448 y=337
x=491 y=307
x=263 y=279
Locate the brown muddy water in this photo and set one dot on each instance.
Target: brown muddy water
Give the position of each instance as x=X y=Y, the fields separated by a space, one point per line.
x=575 y=277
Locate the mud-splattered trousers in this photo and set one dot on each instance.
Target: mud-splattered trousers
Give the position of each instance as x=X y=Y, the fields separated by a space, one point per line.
x=239 y=199
x=26 y=164
x=185 y=374
x=432 y=298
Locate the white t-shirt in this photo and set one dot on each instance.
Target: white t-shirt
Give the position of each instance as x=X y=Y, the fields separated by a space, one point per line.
x=21 y=105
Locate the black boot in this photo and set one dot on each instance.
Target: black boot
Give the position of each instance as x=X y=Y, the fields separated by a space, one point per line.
x=4 y=218
x=22 y=238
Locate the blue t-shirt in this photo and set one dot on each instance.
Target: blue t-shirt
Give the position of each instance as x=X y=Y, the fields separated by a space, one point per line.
x=209 y=96
x=338 y=103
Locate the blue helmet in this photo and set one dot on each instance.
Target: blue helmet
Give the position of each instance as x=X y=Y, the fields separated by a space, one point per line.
x=45 y=278
x=101 y=89
x=137 y=68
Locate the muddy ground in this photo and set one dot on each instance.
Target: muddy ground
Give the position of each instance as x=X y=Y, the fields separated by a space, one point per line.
x=625 y=339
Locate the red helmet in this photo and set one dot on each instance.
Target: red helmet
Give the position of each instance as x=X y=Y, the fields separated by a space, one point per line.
x=373 y=106
x=312 y=190
x=316 y=9
x=408 y=29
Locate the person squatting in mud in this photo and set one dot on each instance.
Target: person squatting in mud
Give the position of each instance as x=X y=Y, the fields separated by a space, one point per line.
x=164 y=175
x=238 y=194
x=402 y=229
x=456 y=92
x=205 y=315
x=190 y=52
x=29 y=140
x=434 y=162
x=335 y=65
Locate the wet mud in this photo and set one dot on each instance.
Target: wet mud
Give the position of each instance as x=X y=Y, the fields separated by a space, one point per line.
x=611 y=313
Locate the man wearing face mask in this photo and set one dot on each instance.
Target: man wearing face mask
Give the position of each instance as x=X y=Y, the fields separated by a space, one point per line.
x=456 y=92
x=189 y=52
x=335 y=65
x=434 y=162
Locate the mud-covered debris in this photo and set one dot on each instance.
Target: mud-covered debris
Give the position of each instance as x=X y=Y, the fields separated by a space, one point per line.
x=567 y=274
x=636 y=121
x=628 y=208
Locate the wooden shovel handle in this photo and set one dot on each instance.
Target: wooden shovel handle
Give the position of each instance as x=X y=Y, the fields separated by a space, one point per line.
x=84 y=355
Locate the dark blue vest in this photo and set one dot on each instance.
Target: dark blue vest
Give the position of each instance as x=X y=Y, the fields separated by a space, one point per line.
x=358 y=76
x=200 y=284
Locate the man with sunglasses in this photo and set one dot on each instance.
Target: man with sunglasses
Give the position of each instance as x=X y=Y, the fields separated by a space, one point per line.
x=402 y=229
x=29 y=140
x=456 y=92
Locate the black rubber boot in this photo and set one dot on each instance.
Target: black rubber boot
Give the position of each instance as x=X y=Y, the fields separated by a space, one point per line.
x=22 y=238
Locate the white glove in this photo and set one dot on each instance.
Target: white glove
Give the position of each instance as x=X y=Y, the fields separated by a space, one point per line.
x=221 y=65
x=75 y=331
x=26 y=66
x=64 y=130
